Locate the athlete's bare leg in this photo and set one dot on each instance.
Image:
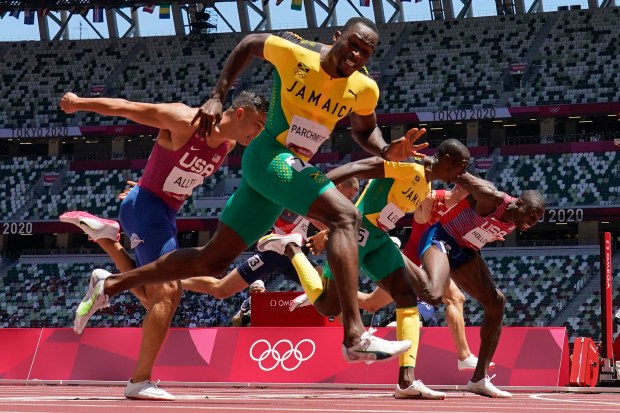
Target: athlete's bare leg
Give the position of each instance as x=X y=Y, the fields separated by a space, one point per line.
x=342 y=218
x=475 y=278
x=398 y=285
x=453 y=298
x=123 y=262
x=164 y=298
x=221 y=288
x=210 y=260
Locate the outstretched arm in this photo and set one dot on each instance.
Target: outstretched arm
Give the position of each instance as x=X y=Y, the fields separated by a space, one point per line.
x=366 y=133
x=485 y=194
x=364 y=169
x=210 y=114
x=170 y=116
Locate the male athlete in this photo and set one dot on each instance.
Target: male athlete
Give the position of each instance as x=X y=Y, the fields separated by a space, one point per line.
x=314 y=87
x=399 y=188
x=450 y=249
x=179 y=161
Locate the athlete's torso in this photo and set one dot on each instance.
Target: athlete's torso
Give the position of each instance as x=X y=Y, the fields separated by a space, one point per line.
x=386 y=200
x=306 y=101
x=438 y=209
x=172 y=175
x=474 y=231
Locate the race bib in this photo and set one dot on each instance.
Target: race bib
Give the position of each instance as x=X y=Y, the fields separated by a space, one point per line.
x=180 y=183
x=362 y=237
x=305 y=136
x=478 y=237
x=389 y=216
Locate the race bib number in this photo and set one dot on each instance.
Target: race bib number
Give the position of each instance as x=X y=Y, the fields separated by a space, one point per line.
x=180 y=183
x=255 y=262
x=389 y=216
x=305 y=136
x=478 y=237
x=362 y=237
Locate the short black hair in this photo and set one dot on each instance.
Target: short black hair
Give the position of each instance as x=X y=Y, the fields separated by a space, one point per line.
x=454 y=148
x=361 y=20
x=533 y=198
x=250 y=99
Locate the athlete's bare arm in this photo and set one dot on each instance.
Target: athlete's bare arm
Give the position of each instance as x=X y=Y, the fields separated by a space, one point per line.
x=363 y=169
x=366 y=133
x=487 y=197
x=173 y=117
x=423 y=213
x=210 y=114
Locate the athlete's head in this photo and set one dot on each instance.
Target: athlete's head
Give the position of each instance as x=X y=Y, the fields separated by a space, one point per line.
x=247 y=115
x=450 y=160
x=529 y=209
x=349 y=187
x=353 y=47
x=257 y=286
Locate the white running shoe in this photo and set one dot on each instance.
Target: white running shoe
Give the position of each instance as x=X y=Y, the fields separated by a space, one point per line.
x=418 y=390
x=371 y=349
x=94 y=300
x=95 y=227
x=146 y=390
x=277 y=243
x=470 y=363
x=484 y=387
x=299 y=301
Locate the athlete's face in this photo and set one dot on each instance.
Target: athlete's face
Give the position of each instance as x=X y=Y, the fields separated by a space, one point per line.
x=452 y=168
x=248 y=125
x=352 y=49
x=526 y=214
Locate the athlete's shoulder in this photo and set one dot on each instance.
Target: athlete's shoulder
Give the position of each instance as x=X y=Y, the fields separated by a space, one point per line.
x=300 y=41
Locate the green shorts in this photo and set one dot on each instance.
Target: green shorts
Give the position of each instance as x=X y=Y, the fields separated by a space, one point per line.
x=379 y=256
x=273 y=179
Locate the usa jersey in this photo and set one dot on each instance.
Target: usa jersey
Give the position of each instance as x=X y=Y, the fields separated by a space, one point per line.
x=474 y=231
x=172 y=175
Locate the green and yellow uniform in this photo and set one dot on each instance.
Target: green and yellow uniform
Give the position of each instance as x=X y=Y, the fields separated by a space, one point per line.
x=305 y=105
x=382 y=204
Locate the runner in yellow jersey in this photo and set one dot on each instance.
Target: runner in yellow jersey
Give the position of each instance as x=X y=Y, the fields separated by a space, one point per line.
x=399 y=188
x=314 y=86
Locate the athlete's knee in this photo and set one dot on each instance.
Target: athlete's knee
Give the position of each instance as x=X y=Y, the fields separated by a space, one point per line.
x=454 y=296
x=495 y=304
x=221 y=291
x=206 y=264
x=344 y=215
x=167 y=294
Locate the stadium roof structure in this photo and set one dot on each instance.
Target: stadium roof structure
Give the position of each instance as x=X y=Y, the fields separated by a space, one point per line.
x=384 y=11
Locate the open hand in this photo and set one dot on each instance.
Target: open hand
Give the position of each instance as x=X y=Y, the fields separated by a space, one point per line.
x=123 y=194
x=318 y=242
x=405 y=147
x=208 y=116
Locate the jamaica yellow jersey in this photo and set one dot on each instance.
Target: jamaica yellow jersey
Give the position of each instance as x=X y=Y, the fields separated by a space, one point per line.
x=386 y=200
x=305 y=101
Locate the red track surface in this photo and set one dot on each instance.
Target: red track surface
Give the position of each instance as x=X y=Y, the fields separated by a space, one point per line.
x=103 y=399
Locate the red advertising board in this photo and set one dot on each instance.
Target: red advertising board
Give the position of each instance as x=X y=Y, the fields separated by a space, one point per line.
x=525 y=356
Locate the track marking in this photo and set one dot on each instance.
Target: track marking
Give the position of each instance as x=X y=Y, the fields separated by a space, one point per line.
x=546 y=397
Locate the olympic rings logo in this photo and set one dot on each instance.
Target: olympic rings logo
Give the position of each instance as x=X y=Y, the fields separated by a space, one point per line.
x=280 y=353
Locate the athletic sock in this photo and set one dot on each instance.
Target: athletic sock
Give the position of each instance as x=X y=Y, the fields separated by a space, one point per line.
x=408 y=328
x=310 y=279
